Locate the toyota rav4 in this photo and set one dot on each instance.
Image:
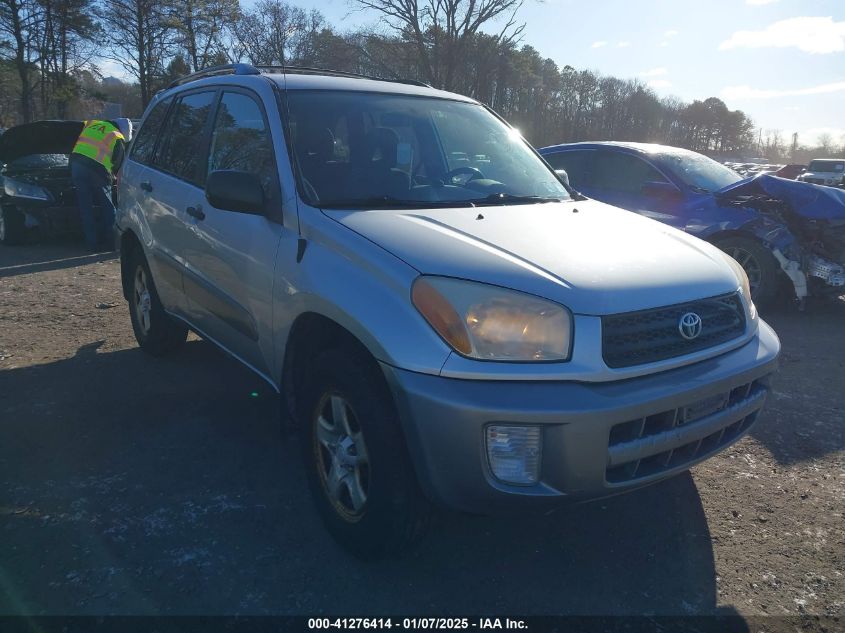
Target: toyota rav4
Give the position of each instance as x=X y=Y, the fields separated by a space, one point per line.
x=446 y=321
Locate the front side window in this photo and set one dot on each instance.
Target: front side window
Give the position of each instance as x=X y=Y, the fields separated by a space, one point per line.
x=625 y=173
x=144 y=143
x=182 y=148
x=576 y=163
x=241 y=141
x=359 y=150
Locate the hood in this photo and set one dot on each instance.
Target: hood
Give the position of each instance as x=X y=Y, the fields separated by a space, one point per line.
x=589 y=256
x=814 y=202
x=40 y=137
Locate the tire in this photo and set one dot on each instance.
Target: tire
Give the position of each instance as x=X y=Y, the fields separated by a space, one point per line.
x=12 y=226
x=357 y=464
x=157 y=333
x=764 y=273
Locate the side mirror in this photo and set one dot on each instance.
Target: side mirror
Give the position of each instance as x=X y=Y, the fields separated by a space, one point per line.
x=563 y=176
x=238 y=191
x=664 y=190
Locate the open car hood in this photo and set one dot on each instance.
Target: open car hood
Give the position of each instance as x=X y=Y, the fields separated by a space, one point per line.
x=814 y=202
x=40 y=137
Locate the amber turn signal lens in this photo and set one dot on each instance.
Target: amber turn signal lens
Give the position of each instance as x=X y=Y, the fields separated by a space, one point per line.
x=440 y=315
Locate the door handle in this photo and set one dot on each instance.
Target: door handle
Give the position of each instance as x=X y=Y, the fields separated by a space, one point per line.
x=146 y=186
x=196 y=212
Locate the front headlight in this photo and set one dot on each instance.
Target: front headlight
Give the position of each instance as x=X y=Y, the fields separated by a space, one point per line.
x=744 y=284
x=20 y=189
x=491 y=323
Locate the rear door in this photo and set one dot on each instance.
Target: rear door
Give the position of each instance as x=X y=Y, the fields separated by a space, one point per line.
x=230 y=257
x=140 y=190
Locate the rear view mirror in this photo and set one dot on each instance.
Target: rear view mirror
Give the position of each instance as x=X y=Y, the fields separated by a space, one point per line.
x=238 y=191
x=665 y=190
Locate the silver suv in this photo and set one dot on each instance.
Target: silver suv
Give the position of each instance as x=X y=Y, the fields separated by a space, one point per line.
x=446 y=322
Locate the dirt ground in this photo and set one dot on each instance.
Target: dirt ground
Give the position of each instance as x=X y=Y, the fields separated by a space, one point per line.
x=132 y=485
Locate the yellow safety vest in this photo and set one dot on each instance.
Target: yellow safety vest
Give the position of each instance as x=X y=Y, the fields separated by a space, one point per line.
x=97 y=142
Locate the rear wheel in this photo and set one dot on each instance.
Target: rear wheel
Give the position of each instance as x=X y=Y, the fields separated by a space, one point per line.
x=764 y=273
x=156 y=332
x=358 y=467
x=12 y=226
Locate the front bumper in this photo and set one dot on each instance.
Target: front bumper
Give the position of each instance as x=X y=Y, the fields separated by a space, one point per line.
x=599 y=439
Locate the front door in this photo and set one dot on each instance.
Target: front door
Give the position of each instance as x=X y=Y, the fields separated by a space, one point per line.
x=230 y=260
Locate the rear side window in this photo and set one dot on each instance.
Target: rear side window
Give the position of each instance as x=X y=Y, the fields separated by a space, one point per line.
x=181 y=153
x=145 y=141
x=241 y=140
x=615 y=171
x=575 y=163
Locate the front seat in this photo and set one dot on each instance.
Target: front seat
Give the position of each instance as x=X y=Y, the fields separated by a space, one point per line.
x=382 y=177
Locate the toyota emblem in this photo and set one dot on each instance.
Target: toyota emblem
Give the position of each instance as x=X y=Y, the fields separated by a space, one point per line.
x=690 y=326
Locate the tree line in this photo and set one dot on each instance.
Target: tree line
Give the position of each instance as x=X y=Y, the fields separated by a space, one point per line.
x=50 y=51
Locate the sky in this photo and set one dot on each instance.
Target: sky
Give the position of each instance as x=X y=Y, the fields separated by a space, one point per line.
x=780 y=61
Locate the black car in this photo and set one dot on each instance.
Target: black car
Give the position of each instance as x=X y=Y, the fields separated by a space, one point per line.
x=37 y=197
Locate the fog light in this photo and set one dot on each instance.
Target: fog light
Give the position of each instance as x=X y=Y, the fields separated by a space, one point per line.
x=514 y=453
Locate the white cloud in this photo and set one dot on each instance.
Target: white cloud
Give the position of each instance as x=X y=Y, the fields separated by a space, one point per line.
x=599 y=44
x=760 y=3
x=623 y=44
x=747 y=92
x=664 y=43
x=659 y=83
x=654 y=72
x=670 y=33
x=808 y=34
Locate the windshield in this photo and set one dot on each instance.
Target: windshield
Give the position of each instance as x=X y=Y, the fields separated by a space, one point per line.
x=697 y=171
x=368 y=150
x=827 y=165
x=38 y=161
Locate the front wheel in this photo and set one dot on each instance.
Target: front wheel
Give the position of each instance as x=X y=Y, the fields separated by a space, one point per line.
x=156 y=332
x=12 y=226
x=764 y=273
x=358 y=467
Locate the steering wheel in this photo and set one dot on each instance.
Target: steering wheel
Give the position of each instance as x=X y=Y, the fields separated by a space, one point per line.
x=472 y=171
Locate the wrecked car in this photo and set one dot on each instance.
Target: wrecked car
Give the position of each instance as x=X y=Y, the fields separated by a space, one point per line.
x=825 y=171
x=784 y=233
x=36 y=191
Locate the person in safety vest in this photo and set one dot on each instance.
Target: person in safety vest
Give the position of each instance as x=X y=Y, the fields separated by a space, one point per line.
x=94 y=161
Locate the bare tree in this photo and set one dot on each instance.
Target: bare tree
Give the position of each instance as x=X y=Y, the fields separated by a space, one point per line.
x=199 y=25
x=20 y=22
x=138 y=34
x=276 y=32
x=441 y=30
x=825 y=143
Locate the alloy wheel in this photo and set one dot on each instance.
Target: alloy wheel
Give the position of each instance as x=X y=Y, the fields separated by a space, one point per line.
x=142 y=300
x=750 y=265
x=343 y=463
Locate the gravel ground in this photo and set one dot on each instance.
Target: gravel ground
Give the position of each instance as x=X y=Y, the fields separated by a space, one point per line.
x=132 y=485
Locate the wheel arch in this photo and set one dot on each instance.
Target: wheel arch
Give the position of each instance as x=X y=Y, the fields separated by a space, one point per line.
x=311 y=333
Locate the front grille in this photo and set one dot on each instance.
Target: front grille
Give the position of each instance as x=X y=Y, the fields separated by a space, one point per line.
x=648 y=336
x=670 y=439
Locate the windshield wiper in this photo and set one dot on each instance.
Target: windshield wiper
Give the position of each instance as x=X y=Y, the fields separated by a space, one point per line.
x=389 y=202
x=507 y=198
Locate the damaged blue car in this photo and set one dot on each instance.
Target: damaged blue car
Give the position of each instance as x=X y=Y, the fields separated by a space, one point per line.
x=788 y=236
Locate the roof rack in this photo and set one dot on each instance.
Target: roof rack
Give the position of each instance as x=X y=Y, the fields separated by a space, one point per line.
x=225 y=69
x=249 y=69
x=311 y=70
